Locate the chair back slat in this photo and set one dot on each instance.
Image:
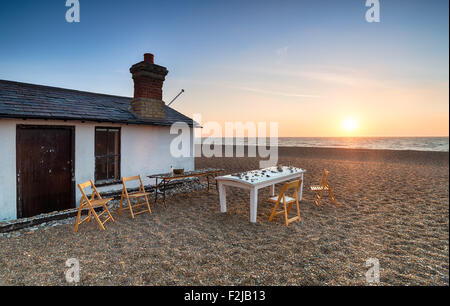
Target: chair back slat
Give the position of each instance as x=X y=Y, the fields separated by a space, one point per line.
x=289 y=186
x=293 y=185
x=84 y=185
x=95 y=192
x=131 y=178
x=82 y=188
x=324 y=179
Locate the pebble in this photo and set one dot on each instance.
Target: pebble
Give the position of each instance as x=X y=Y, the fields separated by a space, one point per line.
x=187 y=185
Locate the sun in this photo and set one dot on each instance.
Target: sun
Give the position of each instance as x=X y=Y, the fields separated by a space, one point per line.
x=350 y=124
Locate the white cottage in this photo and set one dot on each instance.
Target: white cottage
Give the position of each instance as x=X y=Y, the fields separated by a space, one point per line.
x=52 y=139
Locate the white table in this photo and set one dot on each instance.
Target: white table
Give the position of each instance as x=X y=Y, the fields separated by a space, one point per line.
x=255 y=180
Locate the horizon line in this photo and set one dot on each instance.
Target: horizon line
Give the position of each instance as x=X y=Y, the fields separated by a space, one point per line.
x=338 y=137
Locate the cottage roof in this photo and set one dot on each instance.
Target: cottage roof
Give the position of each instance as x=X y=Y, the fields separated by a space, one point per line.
x=22 y=100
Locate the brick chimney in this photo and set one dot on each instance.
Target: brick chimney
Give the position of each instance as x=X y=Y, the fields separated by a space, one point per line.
x=148 y=82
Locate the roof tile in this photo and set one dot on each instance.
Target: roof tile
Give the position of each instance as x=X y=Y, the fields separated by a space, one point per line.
x=21 y=100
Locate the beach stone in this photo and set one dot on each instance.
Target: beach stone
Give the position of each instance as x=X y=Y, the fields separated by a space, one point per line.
x=184 y=185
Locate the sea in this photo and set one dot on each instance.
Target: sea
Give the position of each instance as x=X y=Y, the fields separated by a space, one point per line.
x=440 y=144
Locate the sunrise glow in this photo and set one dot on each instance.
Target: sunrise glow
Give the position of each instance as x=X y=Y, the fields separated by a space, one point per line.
x=349 y=125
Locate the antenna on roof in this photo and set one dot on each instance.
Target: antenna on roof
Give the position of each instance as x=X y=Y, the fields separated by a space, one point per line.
x=176 y=97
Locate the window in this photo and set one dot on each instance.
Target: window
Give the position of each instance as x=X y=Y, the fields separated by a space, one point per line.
x=107 y=154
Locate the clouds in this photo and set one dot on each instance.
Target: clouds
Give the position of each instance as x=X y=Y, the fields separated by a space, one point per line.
x=278 y=93
x=281 y=52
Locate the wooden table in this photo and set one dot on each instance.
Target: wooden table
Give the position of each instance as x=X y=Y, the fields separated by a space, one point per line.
x=165 y=178
x=255 y=180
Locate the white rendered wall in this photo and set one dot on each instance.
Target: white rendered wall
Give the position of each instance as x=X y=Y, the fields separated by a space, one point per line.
x=8 y=192
x=144 y=150
x=84 y=156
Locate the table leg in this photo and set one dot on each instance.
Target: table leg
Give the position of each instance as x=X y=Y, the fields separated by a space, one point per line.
x=222 y=197
x=300 y=192
x=253 y=204
x=164 y=194
x=272 y=190
x=156 y=189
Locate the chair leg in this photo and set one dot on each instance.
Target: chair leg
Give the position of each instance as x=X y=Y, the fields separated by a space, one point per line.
x=332 y=196
x=131 y=208
x=319 y=196
x=298 y=210
x=77 y=223
x=119 y=211
x=138 y=200
x=272 y=215
x=285 y=214
x=148 y=204
x=289 y=207
x=89 y=216
x=107 y=211
x=97 y=218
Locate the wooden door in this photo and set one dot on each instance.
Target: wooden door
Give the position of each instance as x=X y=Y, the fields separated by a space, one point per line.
x=45 y=169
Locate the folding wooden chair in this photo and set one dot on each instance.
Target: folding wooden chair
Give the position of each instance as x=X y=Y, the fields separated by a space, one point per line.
x=322 y=187
x=135 y=195
x=91 y=203
x=287 y=202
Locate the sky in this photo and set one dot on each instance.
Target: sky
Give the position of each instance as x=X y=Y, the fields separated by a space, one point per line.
x=316 y=67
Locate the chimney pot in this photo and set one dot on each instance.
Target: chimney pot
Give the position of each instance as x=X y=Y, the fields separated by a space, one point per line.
x=149 y=58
